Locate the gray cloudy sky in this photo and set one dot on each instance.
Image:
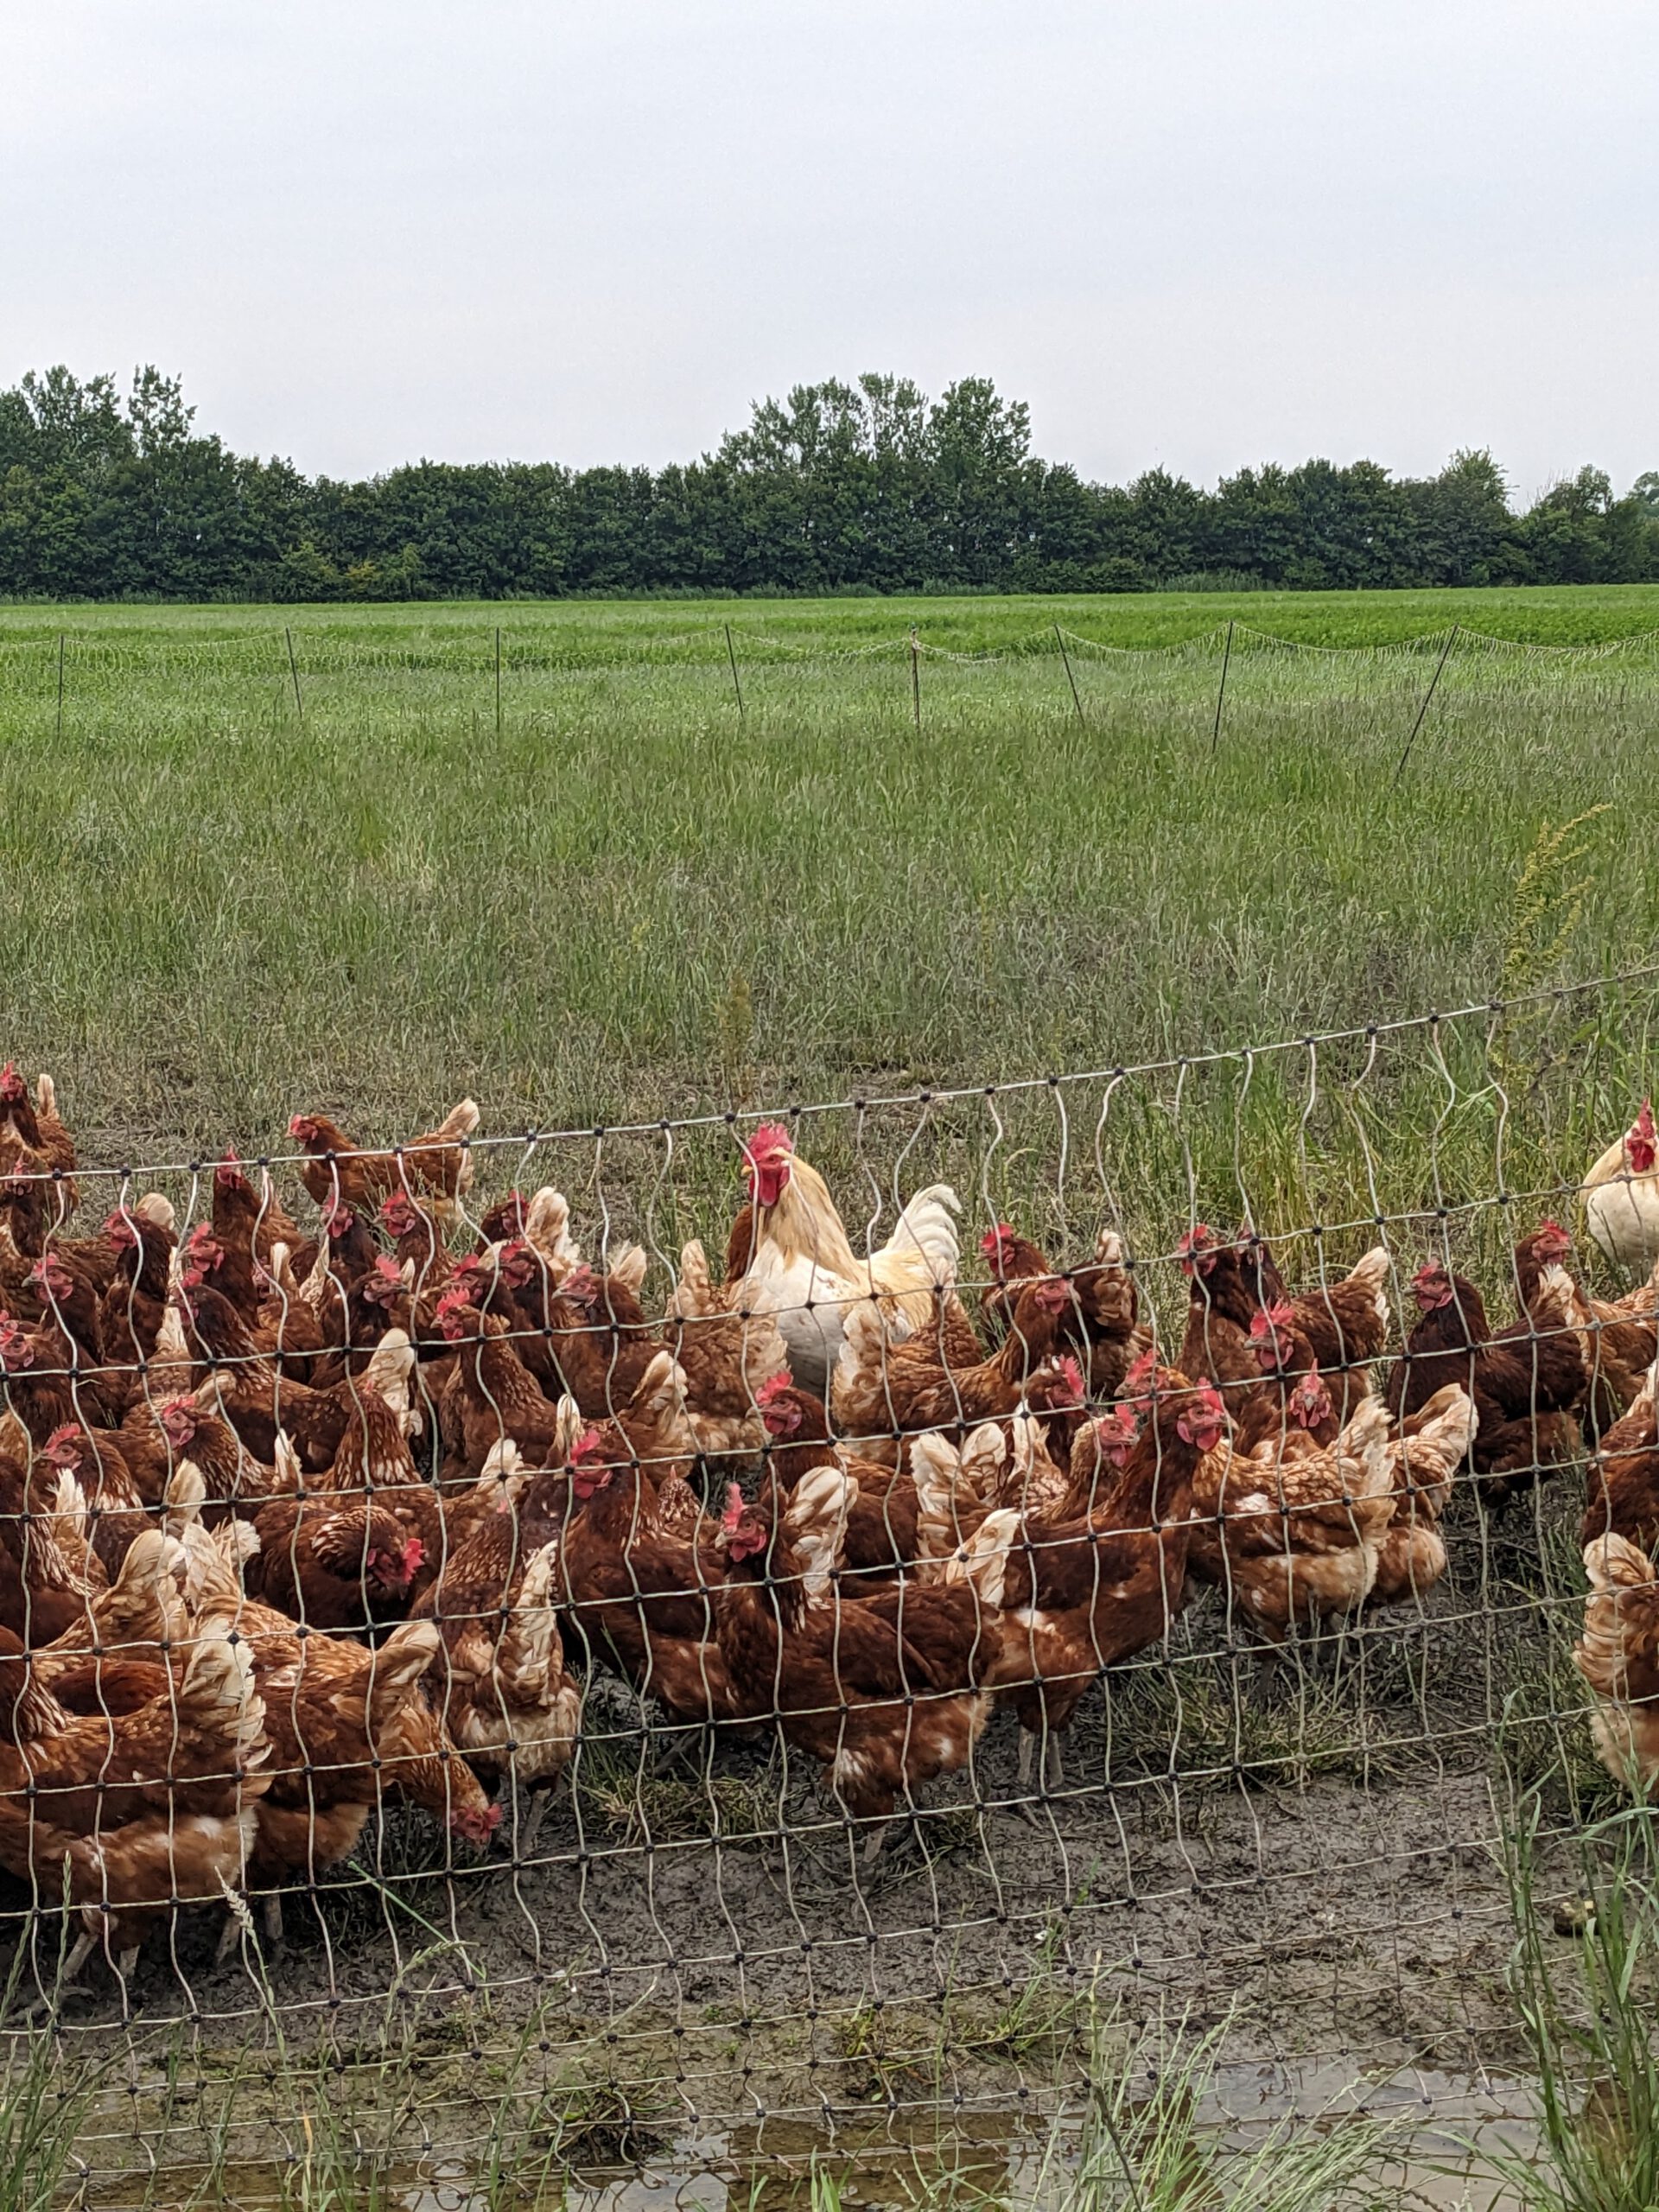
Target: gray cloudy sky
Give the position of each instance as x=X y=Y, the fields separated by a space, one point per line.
x=1193 y=232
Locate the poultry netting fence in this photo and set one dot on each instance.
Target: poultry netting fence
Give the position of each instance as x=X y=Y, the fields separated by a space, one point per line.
x=567 y=1642
x=538 y=675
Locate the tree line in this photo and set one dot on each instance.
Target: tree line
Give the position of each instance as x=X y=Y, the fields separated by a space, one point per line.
x=864 y=487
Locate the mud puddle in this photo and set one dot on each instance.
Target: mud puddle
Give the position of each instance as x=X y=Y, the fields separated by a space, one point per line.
x=1445 y=2130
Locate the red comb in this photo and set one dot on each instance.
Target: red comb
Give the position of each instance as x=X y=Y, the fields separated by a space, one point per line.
x=587 y=1445
x=1070 y=1375
x=773 y=1388
x=1143 y=1369
x=734 y=1513
x=1195 y=1240
x=1269 y=1320
x=1644 y=1119
x=67 y=1432
x=414 y=1556
x=770 y=1136
x=992 y=1241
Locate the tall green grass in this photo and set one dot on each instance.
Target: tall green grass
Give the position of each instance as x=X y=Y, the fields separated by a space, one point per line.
x=629 y=900
x=1586 y=2007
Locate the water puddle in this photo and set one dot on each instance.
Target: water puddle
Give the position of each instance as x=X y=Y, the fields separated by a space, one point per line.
x=1443 y=2127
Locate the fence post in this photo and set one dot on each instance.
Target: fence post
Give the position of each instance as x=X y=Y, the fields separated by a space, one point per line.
x=1451 y=639
x=293 y=670
x=1221 y=690
x=731 y=655
x=1071 y=679
x=497 y=679
x=916 y=678
x=60 y=687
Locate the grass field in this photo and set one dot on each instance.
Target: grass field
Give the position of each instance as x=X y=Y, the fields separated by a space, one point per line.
x=629 y=900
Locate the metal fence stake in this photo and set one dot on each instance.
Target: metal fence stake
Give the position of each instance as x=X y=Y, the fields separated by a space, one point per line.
x=1071 y=679
x=1451 y=639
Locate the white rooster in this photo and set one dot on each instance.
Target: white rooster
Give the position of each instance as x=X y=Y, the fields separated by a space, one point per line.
x=803 y=1269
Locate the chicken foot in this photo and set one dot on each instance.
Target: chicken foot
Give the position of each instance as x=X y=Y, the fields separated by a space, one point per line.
x=125 y=1965
x=1053 y=1768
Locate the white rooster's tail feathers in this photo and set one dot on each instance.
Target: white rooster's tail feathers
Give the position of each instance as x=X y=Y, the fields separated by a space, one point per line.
x=925 y=1231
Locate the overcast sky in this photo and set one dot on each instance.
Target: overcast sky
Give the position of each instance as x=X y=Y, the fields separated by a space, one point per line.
x=1192 y=232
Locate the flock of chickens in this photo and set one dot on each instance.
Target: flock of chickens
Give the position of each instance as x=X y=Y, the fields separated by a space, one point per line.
x=292 y=1520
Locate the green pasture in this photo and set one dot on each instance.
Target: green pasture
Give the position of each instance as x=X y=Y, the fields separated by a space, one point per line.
x=233 y=881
